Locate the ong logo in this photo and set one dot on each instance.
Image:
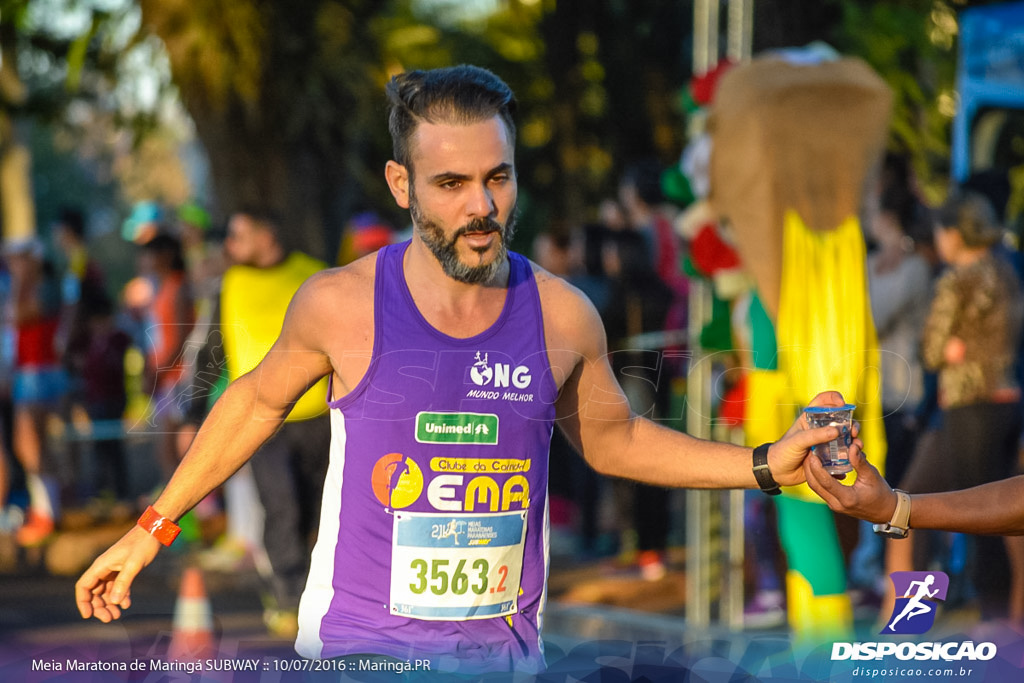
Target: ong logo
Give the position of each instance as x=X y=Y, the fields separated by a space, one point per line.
x=500 y=374
x=917 y=596
x=481 y=372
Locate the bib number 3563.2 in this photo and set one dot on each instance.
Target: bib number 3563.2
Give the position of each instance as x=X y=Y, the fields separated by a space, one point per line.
x=456 y=567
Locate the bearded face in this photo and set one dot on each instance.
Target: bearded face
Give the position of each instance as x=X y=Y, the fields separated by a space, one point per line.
x=472 y=264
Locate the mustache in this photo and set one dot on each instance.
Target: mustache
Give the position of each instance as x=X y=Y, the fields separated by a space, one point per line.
x=482 y=224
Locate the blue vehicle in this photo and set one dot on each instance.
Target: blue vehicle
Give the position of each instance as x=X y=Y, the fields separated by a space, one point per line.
x=988 y=132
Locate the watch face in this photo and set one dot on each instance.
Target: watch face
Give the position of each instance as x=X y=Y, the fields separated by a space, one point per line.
x=889 y=531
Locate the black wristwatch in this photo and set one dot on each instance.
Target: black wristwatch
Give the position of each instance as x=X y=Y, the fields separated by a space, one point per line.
x=761 y=472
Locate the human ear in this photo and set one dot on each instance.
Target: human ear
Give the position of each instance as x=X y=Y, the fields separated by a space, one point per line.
x=397 y=176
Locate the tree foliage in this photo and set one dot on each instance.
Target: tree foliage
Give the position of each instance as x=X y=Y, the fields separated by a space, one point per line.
x=912 y=46
x=286 y=96
x=282 y=94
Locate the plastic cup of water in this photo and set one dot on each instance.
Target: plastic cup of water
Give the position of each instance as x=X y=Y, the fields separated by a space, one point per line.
x=834 y=454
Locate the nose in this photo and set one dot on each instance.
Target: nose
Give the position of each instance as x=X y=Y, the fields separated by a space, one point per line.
x=481 y=202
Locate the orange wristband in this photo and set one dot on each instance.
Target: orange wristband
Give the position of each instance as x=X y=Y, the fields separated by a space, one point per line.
x=161 y=528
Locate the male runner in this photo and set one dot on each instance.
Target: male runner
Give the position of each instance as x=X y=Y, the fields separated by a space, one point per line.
x=450 y=359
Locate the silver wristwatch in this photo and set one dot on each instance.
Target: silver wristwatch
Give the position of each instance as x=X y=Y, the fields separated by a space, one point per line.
x=899 y=525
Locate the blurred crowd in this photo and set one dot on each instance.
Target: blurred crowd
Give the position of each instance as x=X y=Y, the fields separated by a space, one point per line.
x=98 y=385
x=944 y=286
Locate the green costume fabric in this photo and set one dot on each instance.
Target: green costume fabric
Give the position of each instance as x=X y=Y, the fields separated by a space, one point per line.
x=808 y=535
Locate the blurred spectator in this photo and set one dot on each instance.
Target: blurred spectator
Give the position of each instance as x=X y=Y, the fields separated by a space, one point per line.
x=104 y=394
x=641 y=198
x=994 y=184
x=203 y=373
x=170 y=319
x=970 y=338
x=39 y=382
x=566 y=469
x=586 y=263
x=586 y=272
x=204 y=258
x=11 y=516
x=899 y=281
x=639 y=302
x=551 y=252
x=364 y=234
x=290 y=467
x=144 y=222
x=193 y=224
x=83 y=278
x=899 y=284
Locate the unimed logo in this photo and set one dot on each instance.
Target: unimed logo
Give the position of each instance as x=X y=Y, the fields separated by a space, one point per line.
x=457 y=428
x=914 y=612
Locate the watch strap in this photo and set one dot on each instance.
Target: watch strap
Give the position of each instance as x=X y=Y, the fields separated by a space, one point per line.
x=161 y=528
x=899 y=525
x=762 y=473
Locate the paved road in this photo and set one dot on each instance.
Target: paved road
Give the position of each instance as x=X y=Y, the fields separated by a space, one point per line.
x=40 y=628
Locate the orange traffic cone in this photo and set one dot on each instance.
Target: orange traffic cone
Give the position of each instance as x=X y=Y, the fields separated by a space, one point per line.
x=192 y=639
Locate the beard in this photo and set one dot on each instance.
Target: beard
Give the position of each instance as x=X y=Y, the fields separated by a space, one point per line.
x=445 y=250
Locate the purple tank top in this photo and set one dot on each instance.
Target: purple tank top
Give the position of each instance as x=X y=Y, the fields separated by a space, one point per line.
x=433 y=541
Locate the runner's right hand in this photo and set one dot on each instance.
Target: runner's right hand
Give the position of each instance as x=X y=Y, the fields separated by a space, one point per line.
x=105 y=587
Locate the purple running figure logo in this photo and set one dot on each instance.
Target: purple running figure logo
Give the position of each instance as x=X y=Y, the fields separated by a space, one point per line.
x=917 y=596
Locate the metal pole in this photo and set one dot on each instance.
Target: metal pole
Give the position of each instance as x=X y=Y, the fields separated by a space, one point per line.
x=699 y=531
x=705 y=35
x=738 y=49
x=741 y=30
x=714 y=520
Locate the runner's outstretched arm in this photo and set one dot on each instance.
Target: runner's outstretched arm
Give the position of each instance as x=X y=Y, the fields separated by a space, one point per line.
x=596 y=417
x=247 y=414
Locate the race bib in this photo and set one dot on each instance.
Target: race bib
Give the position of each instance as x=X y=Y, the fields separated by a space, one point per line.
x=455 y=567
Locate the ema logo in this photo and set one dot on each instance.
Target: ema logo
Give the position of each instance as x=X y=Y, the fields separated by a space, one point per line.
x=482 y=374
x=397 y=480
x=914 y=612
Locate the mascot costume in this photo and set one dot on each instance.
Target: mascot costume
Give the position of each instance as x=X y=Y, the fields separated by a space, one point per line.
x=790 y=141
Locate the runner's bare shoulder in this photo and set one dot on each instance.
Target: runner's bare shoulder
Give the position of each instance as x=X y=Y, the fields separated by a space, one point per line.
x=338 y=301
x=568 y=313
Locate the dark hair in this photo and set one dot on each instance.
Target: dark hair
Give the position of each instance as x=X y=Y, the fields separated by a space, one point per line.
x=458 y=94
x=994 y=185
x=645 y=176
x=264 y=218
x=73 y=220
x=897 y=197
x=634 y=254
x=96 y=303
x=971 y=214
x=901 y=203
x=168 y=246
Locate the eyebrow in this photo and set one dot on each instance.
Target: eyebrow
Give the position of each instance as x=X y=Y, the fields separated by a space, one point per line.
x=445 y=176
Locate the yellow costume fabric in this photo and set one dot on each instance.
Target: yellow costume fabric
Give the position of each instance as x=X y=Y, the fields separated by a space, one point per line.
x=825 y=340
x=825 y=331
